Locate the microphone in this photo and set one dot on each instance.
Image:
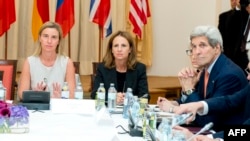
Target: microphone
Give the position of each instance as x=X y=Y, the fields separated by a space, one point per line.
x=181 y=119
x=205 y=128
x=144 y=96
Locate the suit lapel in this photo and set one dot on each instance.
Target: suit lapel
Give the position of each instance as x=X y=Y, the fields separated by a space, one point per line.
x=214 y=73
x=112 y=76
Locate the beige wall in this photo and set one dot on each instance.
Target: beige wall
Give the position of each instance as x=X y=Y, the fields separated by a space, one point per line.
x=172 y=23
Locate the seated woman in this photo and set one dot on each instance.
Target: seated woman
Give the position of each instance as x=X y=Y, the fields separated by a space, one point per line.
x=47 y=69
x=121 y=67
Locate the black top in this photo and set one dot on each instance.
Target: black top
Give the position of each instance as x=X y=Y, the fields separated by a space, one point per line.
x=135 y=78
x=121 y=78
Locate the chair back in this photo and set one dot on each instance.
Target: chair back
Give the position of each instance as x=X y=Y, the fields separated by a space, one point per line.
x=94 y=65
x=1 y=75
x=8 y=68
x=77 y=72
x=76 y=65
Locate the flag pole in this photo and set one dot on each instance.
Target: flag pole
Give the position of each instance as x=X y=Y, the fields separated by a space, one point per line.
x=69 y=47
x=6 y=44
x=100 y=43
x=136 y=42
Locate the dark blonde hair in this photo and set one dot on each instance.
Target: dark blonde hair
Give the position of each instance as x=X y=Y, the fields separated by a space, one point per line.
x=49 y=24
x=108 y=58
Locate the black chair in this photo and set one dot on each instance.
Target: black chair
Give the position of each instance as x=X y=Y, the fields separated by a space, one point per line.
x=94 y=65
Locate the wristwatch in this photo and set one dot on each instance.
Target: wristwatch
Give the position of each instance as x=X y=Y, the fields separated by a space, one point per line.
x=188 y=92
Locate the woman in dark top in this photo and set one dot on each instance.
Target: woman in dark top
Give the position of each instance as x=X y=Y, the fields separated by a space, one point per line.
x=120 y=66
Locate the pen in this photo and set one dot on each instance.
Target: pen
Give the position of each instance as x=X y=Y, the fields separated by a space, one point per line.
x=45 y=81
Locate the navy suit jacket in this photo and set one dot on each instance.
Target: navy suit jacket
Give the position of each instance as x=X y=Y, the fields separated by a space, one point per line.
x=135 y=79
x=231 y=104
x=225 y=78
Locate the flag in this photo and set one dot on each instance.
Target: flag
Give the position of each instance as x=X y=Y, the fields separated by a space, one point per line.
x=7 y=15
x=138 y=13
x=100 y=13
x=39 y=16
x=65 y=15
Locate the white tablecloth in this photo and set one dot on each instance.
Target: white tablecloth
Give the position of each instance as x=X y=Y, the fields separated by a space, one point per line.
x=48 y=126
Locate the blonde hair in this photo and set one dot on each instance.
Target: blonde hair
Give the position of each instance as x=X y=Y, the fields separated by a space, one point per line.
x=59 y=48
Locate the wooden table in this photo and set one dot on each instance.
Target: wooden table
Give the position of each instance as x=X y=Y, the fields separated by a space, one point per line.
x=168 y=87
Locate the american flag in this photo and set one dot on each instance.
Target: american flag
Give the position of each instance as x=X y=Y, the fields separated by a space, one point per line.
x=100 y=13
x=138 y=14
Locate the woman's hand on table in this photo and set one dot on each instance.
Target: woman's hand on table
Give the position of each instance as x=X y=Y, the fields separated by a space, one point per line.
x=120 y=98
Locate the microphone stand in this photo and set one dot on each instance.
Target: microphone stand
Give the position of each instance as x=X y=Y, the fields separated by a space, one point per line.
x=205 y=128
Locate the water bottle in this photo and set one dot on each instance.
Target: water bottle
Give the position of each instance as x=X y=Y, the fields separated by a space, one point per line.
x=178 y=136
x=149 y=124
x=127 y=102
x=112 y=97
x=65 y=91
x=79 y=91
x=2 y=91
x=101 y=96
x=135 y=110
x=165 y=128
x=152 y=120
x=145 y=123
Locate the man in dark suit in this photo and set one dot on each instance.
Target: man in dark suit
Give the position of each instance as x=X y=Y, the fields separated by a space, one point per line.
x=232 y=24
x=221 y=106
x=225 y=77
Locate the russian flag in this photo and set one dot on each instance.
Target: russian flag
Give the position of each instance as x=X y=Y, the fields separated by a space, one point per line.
x=65 y=15
x=100 y=13
x=40 y=15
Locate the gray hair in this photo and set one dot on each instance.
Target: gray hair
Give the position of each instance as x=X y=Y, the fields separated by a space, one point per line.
x=210 y=32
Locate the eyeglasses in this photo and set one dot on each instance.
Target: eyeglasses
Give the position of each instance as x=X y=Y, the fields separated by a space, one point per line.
x=247 y=70
x=194 y=47
x=189 y=52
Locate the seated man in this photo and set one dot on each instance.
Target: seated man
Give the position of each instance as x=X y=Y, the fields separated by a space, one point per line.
x=221 y=105
x=224 y=76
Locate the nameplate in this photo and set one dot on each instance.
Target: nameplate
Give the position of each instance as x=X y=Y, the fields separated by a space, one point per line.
x=72 y=106
x=103 y=118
